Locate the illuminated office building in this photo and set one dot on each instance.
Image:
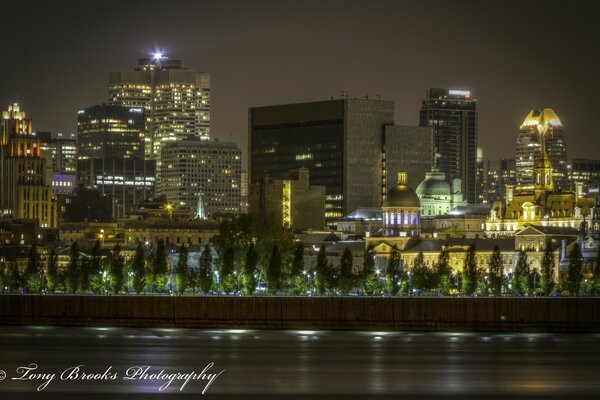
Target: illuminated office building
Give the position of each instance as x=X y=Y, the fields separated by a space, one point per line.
x=110 y=149
x=529 y=148
x=350 y=146
x=25 y=176
x=202 y=177
x=107 y=131
x=453 y=116
x=176 y=100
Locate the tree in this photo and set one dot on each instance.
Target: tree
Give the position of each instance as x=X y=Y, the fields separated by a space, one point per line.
x=95 y=269
x=182 y=272
x=159 y=266
x=204 y=271
x=520 y=276
x=420 y=274
x=443 y=271
x=249 y=273
x=274 y=271
x=496 y=273
x=138 y=268
x=297 y=280
x=52 y=273
x=346 y=273
x=370 y=280
x=575 y=273
x=73 y=275
x=227 y=279
x=33 y=271
x=116 y=270
x=548 y=266
x=471 y=273
x=393 y=273
x=321 y=271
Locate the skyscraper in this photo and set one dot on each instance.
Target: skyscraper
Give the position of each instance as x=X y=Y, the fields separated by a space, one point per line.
x=176 y=100
x=587 y=172
x=528 y=148
x=201 y=174
x=25 y=183
x=453 y=116
x=110 y=150
x=350 y=146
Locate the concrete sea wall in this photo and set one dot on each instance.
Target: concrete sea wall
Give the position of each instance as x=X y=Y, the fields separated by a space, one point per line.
x=330 y=313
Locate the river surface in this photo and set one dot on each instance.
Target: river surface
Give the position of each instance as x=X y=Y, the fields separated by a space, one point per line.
x=294 y=364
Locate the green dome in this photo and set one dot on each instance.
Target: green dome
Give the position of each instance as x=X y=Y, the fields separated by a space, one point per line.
x=434 y=185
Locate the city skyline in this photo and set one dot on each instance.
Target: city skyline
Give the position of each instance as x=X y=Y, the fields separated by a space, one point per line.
x=232 y=44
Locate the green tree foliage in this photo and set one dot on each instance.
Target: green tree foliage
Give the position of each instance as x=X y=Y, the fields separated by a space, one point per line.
x=575 y=273
x=53 y=278
x=393 y=272
x=116 y=270
x=321 y=271
x=370 y=280
x=443 y=271
x=33 y=271
x=227 y=277
x=96 y=270
x=205 y=278
x=138 y=268
x=496 y=273
x=249 y=273
x=298 y=279
x=182 y=271
x=3 y=277
x=548 y=266
x=159 y=266
x=520 y=277
x=274 y=271
x=346 y=273
x=471 y=272
x=73 y=274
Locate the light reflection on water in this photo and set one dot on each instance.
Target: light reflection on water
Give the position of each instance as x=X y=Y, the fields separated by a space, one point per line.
x=306 y=362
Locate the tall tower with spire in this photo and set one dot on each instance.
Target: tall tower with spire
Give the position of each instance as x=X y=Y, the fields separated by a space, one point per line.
x=25 y=179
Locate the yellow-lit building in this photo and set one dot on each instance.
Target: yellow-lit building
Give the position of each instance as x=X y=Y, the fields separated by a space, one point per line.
x=25 y=177
x=544 y=205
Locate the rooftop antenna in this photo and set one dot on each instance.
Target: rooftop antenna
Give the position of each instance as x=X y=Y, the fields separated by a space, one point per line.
x=344 y=94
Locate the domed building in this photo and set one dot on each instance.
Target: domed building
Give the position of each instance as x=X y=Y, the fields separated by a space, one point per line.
x=437 y=196
x=401 y=210
x=401 y=218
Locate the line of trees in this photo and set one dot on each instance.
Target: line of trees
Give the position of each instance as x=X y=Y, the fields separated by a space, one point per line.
x=254 y=255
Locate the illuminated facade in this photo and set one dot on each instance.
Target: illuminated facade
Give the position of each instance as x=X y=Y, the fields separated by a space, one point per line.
x=528 y=149
x=544 y=205
x=350 y=146
x=176 y=100
x=437 y=196
x=107 y=131
x=453 y=116
x=25 y=176
x=195 y=169
x=293 y=201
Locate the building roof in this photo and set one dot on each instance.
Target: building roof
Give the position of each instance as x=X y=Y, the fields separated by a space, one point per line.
x=366 y=213
x=436 y=245
x=548 y=230
x=434 y=185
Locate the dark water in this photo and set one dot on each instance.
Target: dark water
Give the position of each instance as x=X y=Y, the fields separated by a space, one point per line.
x=303 y=364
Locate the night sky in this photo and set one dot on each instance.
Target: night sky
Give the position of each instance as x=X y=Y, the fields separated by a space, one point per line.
x=512 y=55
